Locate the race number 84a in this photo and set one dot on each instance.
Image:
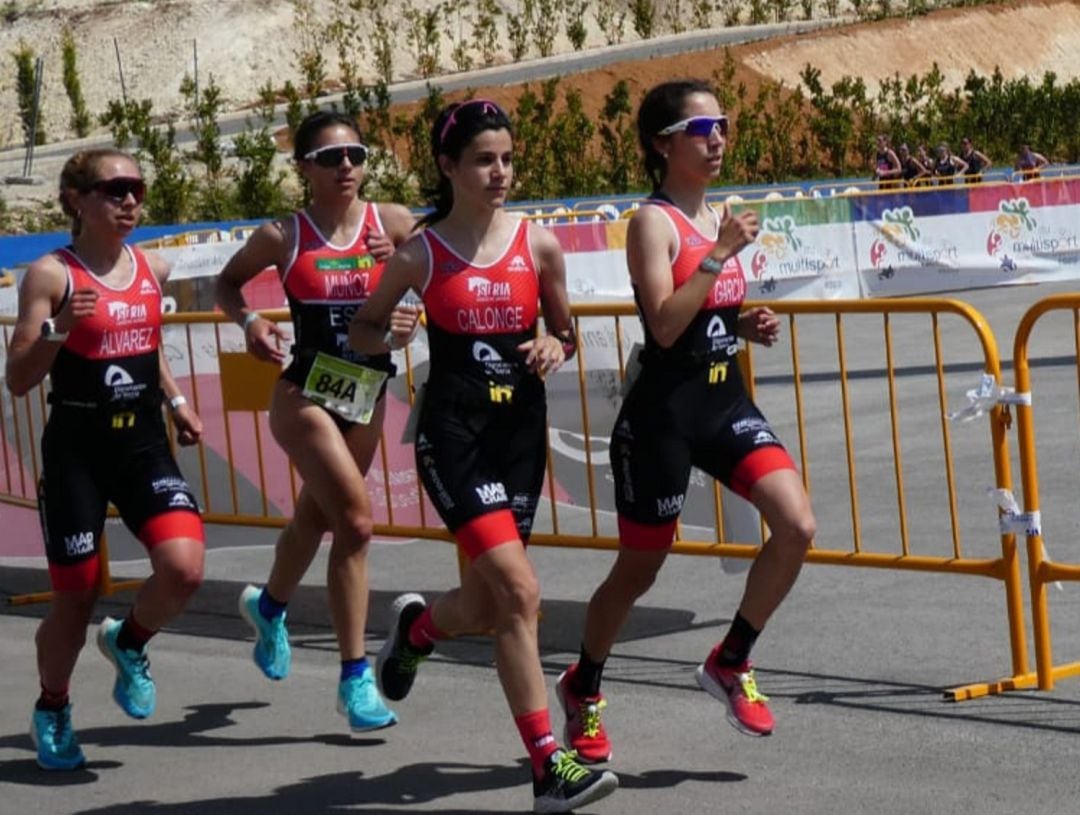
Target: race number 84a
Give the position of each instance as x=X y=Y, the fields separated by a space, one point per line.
x=346 y=388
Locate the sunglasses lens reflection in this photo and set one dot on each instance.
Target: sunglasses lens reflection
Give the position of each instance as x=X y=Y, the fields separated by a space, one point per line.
x=333 y=156
x=120 y=188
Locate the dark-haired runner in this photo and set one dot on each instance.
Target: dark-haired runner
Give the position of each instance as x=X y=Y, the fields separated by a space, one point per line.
x=689 y=407
x=328 y=406
x=480 y=444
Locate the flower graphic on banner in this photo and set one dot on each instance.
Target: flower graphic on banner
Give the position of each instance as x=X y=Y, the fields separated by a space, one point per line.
x=777 y=238
x=1014 y=220
x=899 y=224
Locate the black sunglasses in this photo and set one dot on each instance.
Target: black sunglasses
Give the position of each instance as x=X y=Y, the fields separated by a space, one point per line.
x=118 y=189
x=332 y=155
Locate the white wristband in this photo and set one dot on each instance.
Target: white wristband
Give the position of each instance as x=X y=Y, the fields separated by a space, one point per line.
x=249 y=318
x=388 y=339
x=177 y=401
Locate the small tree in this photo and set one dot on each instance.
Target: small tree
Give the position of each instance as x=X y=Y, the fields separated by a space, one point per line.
x=576 y=31
x=260 y=188
x=519 y=29
x=459 y=43
x=422 y=31
x=80 y=117
x=126 y=120
x=546 y=23
x=485 y=31
x=675 y=16
x=25 y=80
x=618 y=141
x=643 y=17
x=309 y=52
x=703 y=13
x=610 y=21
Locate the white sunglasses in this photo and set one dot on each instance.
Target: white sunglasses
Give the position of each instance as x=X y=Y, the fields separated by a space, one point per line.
x=698 y=126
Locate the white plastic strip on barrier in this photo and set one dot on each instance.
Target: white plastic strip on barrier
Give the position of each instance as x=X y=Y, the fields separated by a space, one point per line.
x=985 y=397
x=1013 y=520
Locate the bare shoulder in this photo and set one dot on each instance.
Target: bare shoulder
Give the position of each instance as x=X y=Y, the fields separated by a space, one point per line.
x=46 y=276
x=397 y=219
x=542 y=240
x=649 y=222
x=159 y=267
x=412 y=253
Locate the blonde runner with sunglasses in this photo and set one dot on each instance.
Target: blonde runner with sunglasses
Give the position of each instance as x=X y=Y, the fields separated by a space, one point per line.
x=328 y=406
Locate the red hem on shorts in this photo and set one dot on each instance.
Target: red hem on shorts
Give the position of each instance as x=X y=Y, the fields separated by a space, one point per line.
x=486 y=532
x=756 y=466
x=645 y=537
x=178 y=523
x=86 y=574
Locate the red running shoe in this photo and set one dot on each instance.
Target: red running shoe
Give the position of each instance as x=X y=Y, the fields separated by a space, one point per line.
x=584 y=730
x=737 y=688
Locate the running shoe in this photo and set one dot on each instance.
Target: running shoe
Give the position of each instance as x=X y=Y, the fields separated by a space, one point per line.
x=737 y=688
x=398 y=660
x=584 y=731
x=57 y=747
x=134 y=688
x=271 y=653
x=358 y=701
x=566 y=784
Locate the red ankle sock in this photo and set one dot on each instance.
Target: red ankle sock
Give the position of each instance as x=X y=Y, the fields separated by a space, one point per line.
x=423 y=633
x=535 y=729
x=132 y=636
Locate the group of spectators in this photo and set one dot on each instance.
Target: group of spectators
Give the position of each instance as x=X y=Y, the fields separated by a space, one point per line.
x=901 y=167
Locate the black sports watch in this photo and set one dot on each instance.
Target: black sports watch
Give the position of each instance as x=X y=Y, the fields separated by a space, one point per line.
x=711 y=265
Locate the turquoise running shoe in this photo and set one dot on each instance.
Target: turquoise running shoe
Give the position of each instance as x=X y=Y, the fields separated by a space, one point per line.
x=358 y=701
x=57 y=747
x=134 y=689
x=272 y=652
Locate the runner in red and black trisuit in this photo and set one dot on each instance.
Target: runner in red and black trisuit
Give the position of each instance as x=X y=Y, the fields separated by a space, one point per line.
x=480 y=439
x=90 y=319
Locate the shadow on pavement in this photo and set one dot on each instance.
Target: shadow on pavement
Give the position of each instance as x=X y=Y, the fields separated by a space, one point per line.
x=413 y=784
x=191 y=731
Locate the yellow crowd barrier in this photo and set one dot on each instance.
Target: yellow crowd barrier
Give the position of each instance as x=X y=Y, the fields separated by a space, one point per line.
x=1042 y=570
x=243 y=478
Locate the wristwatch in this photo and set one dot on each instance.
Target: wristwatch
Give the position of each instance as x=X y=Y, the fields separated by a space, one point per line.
x=711 y=265
x=49 y=331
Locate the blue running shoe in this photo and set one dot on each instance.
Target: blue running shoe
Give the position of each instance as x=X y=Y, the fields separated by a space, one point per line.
x=272 y=653
x=57 y=747
x=358 y=700
x=134 y=689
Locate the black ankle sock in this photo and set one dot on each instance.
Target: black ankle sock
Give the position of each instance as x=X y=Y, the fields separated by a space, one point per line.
x=51 y=701
x=735 y=649
x=587 y=675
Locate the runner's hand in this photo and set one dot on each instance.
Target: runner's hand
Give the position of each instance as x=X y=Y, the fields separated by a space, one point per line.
x=380 y=246
x=265 y=340
x=760 y=324
x=544 y=355
x=189 y=426
x=736 y=233
x=81 y=304
x=403 y=322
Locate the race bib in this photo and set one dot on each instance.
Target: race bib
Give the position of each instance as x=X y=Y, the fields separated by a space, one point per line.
x=347 y=389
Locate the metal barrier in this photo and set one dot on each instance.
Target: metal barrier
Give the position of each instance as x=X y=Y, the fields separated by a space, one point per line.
x=1042 y=570
x=241 y=479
